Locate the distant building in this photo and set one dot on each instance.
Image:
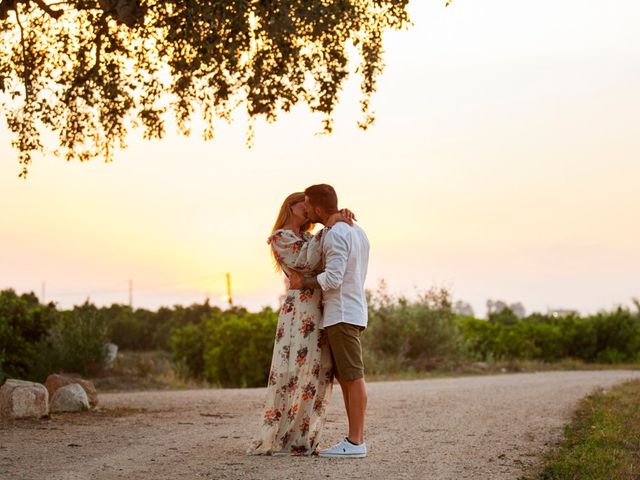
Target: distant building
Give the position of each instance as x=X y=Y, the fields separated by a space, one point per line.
x=561 y=312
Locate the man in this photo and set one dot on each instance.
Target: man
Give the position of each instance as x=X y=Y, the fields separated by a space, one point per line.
x=346 y=255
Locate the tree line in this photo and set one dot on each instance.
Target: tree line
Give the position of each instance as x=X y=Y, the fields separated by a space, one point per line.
x=233 y=347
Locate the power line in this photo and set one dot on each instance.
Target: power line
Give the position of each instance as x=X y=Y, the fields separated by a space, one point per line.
x=145 y=290
x=122 y=288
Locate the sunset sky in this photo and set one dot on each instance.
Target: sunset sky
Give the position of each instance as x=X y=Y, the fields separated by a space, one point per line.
x=504 y=163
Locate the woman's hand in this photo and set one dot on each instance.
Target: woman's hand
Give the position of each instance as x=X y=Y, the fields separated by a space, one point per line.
x=344 y=215
x=348 y=215
x=295 y=280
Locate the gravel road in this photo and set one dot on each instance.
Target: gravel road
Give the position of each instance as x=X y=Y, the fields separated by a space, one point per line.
x=486 y=427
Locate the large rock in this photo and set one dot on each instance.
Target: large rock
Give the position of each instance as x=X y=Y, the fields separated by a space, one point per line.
x=55 y=381
x=70 y=398
x=22 y=399
x=110 y=353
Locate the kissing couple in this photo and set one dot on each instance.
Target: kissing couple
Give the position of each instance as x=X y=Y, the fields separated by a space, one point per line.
x=319 y=328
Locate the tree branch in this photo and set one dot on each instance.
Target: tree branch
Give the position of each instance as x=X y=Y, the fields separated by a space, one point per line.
x=102 y=29
x=6 y=5
x=25 y=72
x=52 y=13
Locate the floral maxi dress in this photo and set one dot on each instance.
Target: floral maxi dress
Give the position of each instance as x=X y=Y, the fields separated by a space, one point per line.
x=301 y=376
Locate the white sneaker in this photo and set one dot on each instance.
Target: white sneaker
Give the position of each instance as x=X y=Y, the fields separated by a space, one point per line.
x=345 y=449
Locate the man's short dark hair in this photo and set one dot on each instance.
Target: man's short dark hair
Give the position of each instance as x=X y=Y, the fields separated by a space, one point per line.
x=323 y=196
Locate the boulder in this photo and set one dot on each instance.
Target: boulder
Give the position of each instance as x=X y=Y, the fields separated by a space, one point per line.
x=22 y=399
x=56 y=381
x=110 y=353
x=70 y=398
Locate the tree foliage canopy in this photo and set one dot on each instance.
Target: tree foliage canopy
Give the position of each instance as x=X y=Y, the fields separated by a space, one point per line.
x=89 y=70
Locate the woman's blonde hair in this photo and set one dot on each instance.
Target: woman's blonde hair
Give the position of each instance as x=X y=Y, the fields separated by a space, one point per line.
x=284 y=216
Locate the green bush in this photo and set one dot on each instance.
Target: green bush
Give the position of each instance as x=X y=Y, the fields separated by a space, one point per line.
x=76 y=341
x=410 y=335
x=233 y=348
x=164 y=321
x=230 y=349
x=24 y=325
x=607 y=337
x=617 y=335
x=143 y=329
x=579 y=338
x=129 y=329
x=481 y=339
x=238 y=349
x=187 y=349
x=36 y=339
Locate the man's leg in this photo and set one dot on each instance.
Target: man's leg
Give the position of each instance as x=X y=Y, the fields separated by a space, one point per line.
x=345 y=395
x=344 y=340
x=356 y=409
x=346 y=350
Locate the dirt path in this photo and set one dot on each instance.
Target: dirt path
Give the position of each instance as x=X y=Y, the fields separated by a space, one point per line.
x=472 y=427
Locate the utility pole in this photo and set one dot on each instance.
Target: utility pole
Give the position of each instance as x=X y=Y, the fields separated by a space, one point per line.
x=130 y=293
x=229 y=298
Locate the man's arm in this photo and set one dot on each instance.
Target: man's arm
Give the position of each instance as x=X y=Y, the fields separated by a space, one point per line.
x=336 y=250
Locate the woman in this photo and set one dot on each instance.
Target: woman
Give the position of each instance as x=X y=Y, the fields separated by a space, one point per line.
x=301 y=376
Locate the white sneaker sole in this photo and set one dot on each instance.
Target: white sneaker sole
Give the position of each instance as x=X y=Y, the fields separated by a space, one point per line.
x=342 y=455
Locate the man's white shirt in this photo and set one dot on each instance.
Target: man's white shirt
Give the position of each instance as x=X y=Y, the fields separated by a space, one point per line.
x=346 y=257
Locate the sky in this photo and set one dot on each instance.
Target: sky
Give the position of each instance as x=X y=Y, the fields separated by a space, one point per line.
x=503 y=164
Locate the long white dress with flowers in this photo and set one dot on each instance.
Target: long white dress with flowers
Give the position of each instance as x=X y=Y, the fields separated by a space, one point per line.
x=301 y=375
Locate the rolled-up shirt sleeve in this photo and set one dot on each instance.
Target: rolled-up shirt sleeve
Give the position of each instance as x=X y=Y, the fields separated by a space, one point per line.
x=336 y=251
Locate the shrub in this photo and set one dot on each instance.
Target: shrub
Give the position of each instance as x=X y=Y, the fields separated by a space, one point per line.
x=608 y=337
x=617 y=335
x=238 y=349
x=187 y=347
x=24 y=325
x=482 y=340
x=143 y=329
x=124 y=328
x=230 y=349
x=76 y=342
x=416 y=335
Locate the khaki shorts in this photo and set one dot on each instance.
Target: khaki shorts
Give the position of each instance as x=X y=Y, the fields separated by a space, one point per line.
x=346 y=350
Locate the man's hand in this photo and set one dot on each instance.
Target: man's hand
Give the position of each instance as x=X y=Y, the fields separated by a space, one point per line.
x=295 y=280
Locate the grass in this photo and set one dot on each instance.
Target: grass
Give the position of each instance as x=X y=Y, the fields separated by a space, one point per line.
x=154 y=370
x=602 y=441
x=496 y=367
x=139 y=371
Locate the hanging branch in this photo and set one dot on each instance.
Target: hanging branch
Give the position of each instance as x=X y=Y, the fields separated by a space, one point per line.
x=148 y=59
x=7 y=5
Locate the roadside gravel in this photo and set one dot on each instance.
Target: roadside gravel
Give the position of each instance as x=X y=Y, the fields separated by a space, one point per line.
x=456 y=428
